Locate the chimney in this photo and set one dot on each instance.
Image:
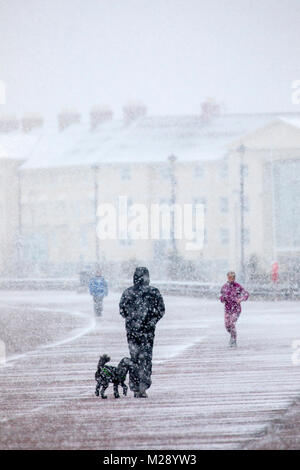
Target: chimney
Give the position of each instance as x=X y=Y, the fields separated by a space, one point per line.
x=100 y=114
x=8 y=123
x=31 y=120
x=134 y=111
x=210 y=109
x=68 y=117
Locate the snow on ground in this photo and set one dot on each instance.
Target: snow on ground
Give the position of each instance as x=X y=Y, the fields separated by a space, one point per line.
x=203 y=396
x=28 y=321
x=283 y=433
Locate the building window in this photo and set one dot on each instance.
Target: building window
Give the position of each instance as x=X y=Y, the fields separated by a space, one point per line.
x=199 y=200
x=223 y=204
x=125 y=173
x=126 y=241
x=286 y=193
x=164 y=201
x=224 y=236
x=199 y=171
x=223 y=170
x=35 y=248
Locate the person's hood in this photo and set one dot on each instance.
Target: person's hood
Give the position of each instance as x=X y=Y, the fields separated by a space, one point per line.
x=141 y=277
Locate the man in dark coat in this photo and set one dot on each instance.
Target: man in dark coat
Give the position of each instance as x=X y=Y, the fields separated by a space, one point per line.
x=142 y=306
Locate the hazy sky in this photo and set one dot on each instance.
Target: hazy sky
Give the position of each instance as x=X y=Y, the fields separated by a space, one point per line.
x=168 y=54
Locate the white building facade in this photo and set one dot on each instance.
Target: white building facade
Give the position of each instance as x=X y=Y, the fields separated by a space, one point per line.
x=53 y=182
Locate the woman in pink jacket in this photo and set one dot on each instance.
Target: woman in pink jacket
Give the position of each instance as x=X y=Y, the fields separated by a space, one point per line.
x=232 y=294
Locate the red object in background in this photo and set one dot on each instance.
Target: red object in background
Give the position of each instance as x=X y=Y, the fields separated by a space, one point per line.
x=275 y=268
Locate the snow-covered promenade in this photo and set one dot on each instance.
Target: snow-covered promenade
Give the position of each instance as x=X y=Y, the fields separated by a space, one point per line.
x=203 y=396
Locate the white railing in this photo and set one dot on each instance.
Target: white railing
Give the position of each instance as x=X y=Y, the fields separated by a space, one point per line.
x=182 y=288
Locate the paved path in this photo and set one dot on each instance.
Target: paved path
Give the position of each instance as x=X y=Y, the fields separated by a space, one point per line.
x=203 y=396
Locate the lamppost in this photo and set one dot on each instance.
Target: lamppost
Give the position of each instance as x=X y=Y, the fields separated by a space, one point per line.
x=241 y=150
x=172 y=160
x=95 y=167
x=19 y=233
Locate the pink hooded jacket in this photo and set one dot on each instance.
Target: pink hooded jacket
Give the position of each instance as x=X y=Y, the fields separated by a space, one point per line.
x=231 y=292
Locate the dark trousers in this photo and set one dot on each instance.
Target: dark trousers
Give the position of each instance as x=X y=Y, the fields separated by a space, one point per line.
x=140 y=348
x=98 y=305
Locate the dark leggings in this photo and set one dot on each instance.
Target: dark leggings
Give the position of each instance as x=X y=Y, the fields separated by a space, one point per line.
x=140 y=371
x=230 y=321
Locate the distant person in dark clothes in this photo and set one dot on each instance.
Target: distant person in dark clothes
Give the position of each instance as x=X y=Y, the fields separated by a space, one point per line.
x=142 y=306
x=232 y=294
x=98 y=289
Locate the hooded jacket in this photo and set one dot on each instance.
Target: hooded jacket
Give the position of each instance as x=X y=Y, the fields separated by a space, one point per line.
x=98 y=286
x=231 y=292
x=141 y=305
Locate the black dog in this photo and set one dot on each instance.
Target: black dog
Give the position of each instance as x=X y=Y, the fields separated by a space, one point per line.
x=107 y=374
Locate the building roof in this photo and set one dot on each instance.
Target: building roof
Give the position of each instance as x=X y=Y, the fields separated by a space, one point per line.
x=148 y=139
